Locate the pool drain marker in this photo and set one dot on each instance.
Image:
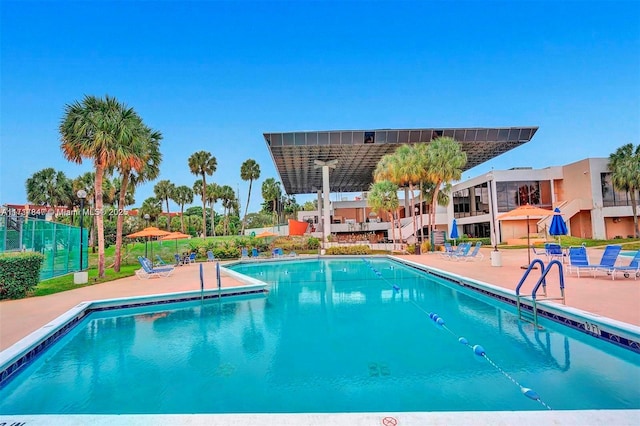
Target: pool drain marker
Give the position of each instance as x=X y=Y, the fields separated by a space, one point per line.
x=478 y=350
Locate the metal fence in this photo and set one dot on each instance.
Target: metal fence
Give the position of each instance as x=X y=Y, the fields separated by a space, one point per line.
x=59 y=243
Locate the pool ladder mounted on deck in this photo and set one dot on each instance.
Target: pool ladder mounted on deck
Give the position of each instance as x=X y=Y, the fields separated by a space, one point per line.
x=541 y=282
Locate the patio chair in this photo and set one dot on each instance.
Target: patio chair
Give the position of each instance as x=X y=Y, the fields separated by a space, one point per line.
x=192 y=258
x=448 y=249
x=254 y=252
x=244 y=253
x=451 y=252
x=578 y=260
x=178 y=259
x=632 y=268
x=466 y=247
x=608 y=261
x=554 y=251
x=148 y=271
x=210 y=256
x=475 y=254
x=159 y=261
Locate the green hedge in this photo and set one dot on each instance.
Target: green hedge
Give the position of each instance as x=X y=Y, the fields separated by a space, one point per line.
x=357 y=249
x=19 y=273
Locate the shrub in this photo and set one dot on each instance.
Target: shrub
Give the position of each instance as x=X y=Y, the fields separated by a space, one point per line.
x=19 y=273
x=313 y=243
x=354 y=250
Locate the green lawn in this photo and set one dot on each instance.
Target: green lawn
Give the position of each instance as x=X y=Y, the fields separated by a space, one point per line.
x=65 y=282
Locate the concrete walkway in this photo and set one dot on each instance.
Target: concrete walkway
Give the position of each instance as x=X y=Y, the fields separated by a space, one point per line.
x=617 y=299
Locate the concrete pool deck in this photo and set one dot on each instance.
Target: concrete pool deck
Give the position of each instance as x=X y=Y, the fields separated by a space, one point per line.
x=617 y=299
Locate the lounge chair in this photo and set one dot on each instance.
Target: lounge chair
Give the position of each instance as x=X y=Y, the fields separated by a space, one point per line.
x=626 y=270
x=554 y=251
x=452 y=252
x=475 y=254
x=254 y=252
x=192 y=258
x=277 y=252
x=159 y=261
x=578 y=260
x=244 y=253
x=148 y=271
x=608 y=261
x=179 y=260
x=210 y=256
x=466 y=247
x=447 y=249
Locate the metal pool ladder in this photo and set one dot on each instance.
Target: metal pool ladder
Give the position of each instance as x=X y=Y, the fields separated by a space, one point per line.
x=524 y=315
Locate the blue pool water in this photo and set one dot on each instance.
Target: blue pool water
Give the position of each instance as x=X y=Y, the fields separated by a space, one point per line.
x=330 y=336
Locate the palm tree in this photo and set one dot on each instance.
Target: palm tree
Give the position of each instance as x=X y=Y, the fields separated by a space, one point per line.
x=444 y=163
x=402 y=168
x=141 y=165
x=213 y=195
x=624 y=165
x=151 y=206
x=164 y=191
x=98 y=129
x=271 y=192
x=182 y=195
x=228 y=197
x=383 y=195
x=49 y=188
x=250 y=170
x=203 y=163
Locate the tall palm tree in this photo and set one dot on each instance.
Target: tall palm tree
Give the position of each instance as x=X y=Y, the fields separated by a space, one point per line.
x=182 y=195
x=250 y=170
x=142 y=164
x=271 y=193
x=203 y=163
x=444 y=164
x=48 y=187
x=213 y=195
x=383 y=195
x=228 y=197
x=98 y=129
x=624 y=165
x=164 y=191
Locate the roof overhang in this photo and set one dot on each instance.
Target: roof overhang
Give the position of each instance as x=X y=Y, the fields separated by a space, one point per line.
x=358 y=151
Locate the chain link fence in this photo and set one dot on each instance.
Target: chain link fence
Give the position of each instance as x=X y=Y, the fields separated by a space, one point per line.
x=59 y=243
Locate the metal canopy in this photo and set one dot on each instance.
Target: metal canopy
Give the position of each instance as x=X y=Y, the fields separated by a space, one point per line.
x=358 y=152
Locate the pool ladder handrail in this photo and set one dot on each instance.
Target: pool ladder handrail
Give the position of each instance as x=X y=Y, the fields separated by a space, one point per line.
x=541 y=282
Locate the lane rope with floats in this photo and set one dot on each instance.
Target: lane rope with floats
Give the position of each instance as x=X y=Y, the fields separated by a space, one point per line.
x=478 y=350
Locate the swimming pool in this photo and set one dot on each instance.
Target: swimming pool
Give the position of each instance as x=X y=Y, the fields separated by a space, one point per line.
x=331 y=336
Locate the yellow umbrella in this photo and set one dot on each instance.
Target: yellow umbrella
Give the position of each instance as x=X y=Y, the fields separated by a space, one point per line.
x=525 y=210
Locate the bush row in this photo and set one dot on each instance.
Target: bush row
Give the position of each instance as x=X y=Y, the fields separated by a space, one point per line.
x=19 y=273
x=356 y=249
x=232 y=249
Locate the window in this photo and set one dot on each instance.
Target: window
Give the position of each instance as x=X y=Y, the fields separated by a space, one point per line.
x=610 y=196
x=511 y=195
x=472 y=201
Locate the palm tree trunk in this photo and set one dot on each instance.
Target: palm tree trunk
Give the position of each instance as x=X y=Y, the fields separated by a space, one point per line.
x=635 y=213
x=393 y=231
x=168 y=215
x=204 y=207
x=413 y=213
x=434 y=203
x=99 y=219
x=421 y=221
x=182 y=217
x=120 y=221
x=213 y=219
x=246 y=209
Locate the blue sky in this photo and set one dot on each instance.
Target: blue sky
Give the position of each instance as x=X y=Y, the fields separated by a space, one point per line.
x=215 y=75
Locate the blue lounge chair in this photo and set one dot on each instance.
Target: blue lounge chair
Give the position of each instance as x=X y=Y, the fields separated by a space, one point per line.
x=475 y=254
x=210 y=256
x=159 y=260
x=192 y=258
x=632 y=268
x=578 y=260
x=447 y=249
x=554 y=251
x=453 y=252
x=608 y=261
x=148 y=271
x=466 y=247
x=254 y=252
